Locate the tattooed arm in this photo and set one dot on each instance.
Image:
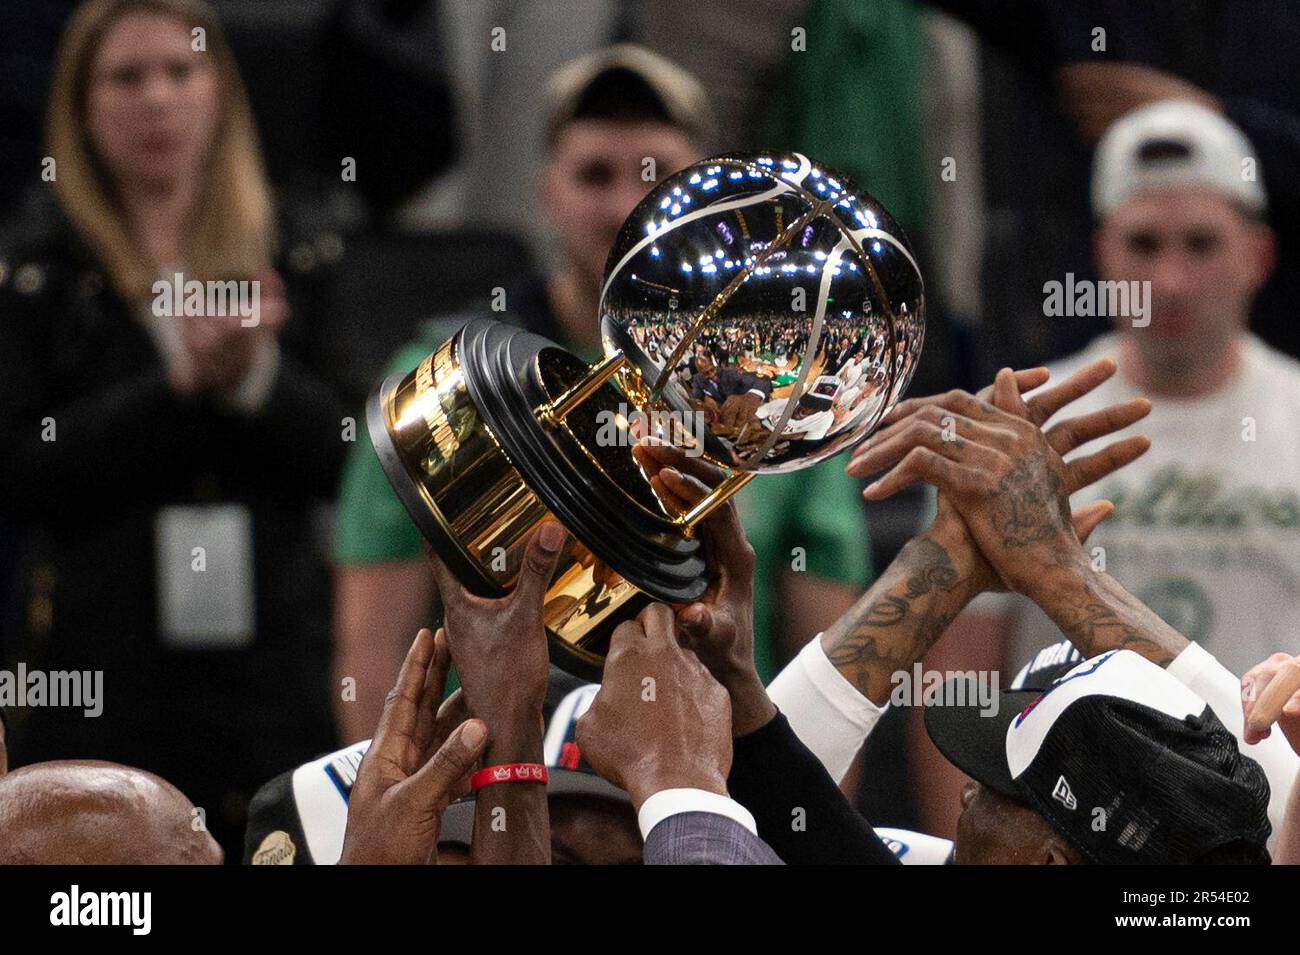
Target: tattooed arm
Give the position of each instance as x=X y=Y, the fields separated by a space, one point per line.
x=1011 y=487
x=1097 y=614
x=907 y=609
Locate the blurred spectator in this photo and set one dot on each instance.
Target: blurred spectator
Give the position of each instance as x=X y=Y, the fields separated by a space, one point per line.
x=745 y=71
x=368 y=82
x=867 y=59
x=1206 y=529
x=164 y=447
x=608 y=112
x=864 y=59
x=1076 y=66
x=499 y=57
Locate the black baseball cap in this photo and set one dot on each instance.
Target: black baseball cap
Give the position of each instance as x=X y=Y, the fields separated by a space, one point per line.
x=1122 y=760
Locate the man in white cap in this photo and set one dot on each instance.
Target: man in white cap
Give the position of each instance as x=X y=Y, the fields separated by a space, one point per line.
x=1206 y=530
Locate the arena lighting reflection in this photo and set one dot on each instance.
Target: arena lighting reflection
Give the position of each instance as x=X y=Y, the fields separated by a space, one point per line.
x=778 y=270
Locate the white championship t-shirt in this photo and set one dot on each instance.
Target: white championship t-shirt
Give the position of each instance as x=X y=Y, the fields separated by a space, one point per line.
x=1206 y=529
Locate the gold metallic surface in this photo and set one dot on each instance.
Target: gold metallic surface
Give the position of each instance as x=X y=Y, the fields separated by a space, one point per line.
x=482 y=503
x=580 y=431
x=719 y=496
x=559 y=408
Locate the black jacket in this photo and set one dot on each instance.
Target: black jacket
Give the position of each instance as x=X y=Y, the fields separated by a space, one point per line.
x=83 y=508
x=730 y=381
x=800 y=811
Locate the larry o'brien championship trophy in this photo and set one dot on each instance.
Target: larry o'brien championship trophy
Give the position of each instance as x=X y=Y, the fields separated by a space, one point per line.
x=757 y=310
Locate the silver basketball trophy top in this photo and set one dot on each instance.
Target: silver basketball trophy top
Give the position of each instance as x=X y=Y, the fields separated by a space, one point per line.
x=782 y=271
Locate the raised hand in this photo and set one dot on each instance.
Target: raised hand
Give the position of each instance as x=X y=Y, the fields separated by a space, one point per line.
x=499 y=648
x=922 y=426
x=660 y=720
x=418 y=763
x=499 y=645
x=1270 y=695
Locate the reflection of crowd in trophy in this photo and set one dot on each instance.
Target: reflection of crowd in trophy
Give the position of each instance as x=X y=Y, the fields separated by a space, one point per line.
x=740 y=372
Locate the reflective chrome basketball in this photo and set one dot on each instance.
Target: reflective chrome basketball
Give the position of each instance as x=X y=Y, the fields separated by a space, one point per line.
x=770 y=296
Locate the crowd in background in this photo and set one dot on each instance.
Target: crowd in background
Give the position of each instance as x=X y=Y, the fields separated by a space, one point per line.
x=384 y=167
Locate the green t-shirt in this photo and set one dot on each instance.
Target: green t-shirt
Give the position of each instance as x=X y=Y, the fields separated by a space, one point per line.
x=371 y=525
x=817 y=509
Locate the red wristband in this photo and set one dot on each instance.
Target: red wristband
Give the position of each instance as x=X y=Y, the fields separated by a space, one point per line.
x=509 y=773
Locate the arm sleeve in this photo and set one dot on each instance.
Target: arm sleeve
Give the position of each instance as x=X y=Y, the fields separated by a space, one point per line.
x=671 y=802
x=1209 y=679
x=825 y=711
x=799 y=810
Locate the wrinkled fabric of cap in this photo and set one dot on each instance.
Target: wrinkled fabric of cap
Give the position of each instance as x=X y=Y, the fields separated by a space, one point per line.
x=1131 y=766
x=1120 y=758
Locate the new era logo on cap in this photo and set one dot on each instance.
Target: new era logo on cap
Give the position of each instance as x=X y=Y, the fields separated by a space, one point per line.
x=1063 y=795
x=1120 y=759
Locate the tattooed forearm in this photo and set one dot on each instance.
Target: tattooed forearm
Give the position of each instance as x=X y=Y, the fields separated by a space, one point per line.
x=1096 y=628
x=1097 y=614
x=936 y=572
x=899 y=618
x=885 y=612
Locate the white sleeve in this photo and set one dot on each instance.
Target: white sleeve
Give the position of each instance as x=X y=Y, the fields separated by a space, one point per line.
x=1198 y=670
x=672 y=802
x=825 y=710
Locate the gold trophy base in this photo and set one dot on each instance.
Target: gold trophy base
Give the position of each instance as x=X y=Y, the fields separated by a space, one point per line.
x=498 y=431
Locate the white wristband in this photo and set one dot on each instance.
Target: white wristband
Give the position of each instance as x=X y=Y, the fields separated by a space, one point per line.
x=673 y=802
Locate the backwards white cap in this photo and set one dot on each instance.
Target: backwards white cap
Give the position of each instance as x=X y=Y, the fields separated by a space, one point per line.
x=1175 y=143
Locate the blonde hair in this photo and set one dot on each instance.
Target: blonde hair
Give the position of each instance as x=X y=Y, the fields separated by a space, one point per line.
x=229 y=232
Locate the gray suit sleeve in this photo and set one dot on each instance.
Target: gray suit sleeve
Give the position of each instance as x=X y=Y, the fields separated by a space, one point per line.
x=705 y=838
